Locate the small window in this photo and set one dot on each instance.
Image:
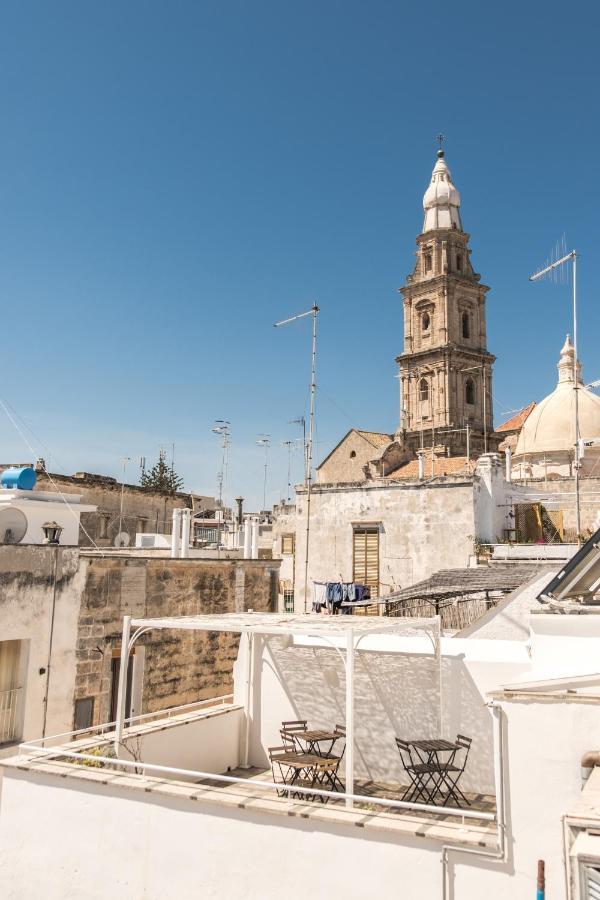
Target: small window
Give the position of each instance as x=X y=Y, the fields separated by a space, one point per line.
x=470 y=392
x=423 y=390
x=428 y=261
x=141 y=526
x=425 y=321
x=458 y=262
x=352 y=454
x=103 y=530
x=84 y=713
x=287 y=544
x=466 y=325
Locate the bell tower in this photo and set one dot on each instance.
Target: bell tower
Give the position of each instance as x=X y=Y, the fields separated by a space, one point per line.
x=445 y=367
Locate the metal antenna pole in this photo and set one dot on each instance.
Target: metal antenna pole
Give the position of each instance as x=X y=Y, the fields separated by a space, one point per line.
x=126 y=459
x=576 y=386
x=576 y=453
x=309 y=446
x=311 y=430
x=485 y=442
x=221 y=427
x=265 y=441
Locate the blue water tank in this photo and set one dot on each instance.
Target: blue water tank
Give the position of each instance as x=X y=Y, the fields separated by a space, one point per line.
x=24 y=479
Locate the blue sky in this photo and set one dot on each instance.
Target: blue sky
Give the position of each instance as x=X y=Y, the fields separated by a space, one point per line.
x=175 y=177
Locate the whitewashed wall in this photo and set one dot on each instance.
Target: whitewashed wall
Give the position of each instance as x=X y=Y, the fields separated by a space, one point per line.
x=396 y=695
x=26 y=605
x=73 y=838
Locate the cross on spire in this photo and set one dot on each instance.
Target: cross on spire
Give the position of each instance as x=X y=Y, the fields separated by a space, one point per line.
x=440 y=138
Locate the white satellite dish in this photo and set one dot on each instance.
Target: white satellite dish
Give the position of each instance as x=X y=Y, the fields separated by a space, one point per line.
x=13 y=525
x=122 y=539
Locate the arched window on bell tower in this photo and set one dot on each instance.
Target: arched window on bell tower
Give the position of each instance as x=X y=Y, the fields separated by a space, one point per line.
x=423 y=390
x=466 y=325
x=470 y=392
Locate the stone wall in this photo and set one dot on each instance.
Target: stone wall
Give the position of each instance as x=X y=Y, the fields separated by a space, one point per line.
x=66 y=606
x=143 y=509
x=423 y=527
x=179 y=666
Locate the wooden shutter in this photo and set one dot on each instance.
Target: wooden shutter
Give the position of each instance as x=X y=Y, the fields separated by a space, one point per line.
x=592 y=883
x=366 y=558
x=287 y=544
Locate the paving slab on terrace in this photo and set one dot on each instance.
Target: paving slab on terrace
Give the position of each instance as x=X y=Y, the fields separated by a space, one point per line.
x=485 y=803
x=258 y=800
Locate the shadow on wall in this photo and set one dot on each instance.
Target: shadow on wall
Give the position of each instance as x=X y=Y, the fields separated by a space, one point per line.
x=395 y=695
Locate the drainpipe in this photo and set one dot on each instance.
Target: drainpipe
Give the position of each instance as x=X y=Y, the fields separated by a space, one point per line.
x=185 y=533
x=499 y=852
x=175 y=533
x=508 y=454
x=50 y=642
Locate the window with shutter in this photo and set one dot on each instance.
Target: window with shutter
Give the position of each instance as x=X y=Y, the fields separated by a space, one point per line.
x=366 y=558
x=591 y=883
x=287 y=544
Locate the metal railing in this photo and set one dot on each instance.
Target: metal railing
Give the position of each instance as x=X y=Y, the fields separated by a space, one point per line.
x=108 y=728
x=9 y=709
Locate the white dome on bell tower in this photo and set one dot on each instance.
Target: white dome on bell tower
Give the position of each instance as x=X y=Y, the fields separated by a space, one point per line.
x=441 y=202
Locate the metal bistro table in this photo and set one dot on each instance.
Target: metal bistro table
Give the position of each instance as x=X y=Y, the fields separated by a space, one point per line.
x=315 y=737
x=429 y=753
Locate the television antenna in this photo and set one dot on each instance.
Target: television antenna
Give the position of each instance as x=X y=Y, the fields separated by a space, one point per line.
x=264 y=440
x=550 y=270
x=313 y=311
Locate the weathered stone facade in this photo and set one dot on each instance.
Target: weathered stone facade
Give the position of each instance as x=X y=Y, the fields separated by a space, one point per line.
x=66 y=607
x=349 y=460
x=179 y=666
x=445 y=367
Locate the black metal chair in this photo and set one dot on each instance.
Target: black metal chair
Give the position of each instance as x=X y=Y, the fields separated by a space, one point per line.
x=452 y=771
x=420 y=775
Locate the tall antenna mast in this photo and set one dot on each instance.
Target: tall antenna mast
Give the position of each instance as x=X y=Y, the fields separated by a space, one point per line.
x=541 y=273
x=311 y=428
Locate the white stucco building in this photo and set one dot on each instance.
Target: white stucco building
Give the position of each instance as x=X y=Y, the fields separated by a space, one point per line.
x=189 y=805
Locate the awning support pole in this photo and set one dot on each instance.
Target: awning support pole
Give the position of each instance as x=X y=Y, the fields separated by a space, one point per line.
x=122 y=682
x=249 y=687
x=349 y=716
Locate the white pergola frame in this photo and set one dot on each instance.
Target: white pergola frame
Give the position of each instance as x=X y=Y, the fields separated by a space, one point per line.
x=352 y=629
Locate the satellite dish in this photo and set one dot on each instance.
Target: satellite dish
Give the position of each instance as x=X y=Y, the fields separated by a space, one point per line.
x=122 y=539
x=13 y=525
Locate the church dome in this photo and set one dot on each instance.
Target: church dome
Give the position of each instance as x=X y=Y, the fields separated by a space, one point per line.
x=442 y=200
x=550 y=427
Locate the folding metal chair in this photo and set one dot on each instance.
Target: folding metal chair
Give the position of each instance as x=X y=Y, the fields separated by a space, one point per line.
x=280 y=775
x=340 y=731
x=452 y=771
x=287 y=732
x=420 y=775
x=326 y=775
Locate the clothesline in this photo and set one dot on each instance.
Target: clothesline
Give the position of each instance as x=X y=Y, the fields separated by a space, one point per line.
x=338 y=596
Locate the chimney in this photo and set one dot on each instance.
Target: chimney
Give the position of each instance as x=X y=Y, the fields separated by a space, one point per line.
x=240 y=502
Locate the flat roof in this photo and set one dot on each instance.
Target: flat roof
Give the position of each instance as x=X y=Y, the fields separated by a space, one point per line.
x=290 y=623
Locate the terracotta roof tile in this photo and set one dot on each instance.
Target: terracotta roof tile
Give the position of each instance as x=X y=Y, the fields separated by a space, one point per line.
x=377 y=438
x=518 y=420
x=442 y=465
